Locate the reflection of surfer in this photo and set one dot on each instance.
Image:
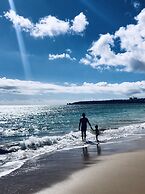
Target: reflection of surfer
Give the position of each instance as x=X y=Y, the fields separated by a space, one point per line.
x=98 y=149
x=83 y=126
x=85 y=153
x=97 y=133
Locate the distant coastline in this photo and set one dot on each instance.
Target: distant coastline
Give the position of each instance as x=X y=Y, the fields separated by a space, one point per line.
x=115 y=101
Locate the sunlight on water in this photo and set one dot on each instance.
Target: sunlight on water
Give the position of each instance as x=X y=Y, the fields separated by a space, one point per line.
x=29 y=131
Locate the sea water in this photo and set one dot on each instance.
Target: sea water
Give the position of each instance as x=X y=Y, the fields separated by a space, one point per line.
x=29 y=131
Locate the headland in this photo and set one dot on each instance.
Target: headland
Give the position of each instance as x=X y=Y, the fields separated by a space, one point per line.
x=113 y=101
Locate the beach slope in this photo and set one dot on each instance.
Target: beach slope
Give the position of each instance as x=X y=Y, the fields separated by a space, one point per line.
x=116 y=174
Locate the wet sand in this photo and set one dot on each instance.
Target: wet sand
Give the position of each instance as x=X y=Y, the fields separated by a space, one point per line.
x=116 y=174
x=47 y=170
x=88 y=170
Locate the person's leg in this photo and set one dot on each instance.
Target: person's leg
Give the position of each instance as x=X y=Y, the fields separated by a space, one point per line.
x=82 y=135
x=97 y=138
x=97 y=133
x=85 y=135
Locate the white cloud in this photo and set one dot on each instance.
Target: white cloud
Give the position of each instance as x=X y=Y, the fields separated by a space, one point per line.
x=61 y=56
x=105 y=52
x=79 y=23
x=136 y=4
x=48 y=26
x=33 y=88
x=24 y=23
x=69 y=50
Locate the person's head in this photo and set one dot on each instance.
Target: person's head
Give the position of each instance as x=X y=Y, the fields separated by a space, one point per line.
x=96 y=126
x=83 y=115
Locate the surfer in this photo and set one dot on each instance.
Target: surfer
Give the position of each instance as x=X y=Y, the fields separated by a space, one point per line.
x=83 y=126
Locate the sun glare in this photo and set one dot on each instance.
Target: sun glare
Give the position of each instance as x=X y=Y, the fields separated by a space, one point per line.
x=22 y=49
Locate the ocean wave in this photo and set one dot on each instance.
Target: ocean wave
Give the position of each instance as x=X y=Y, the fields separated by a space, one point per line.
x=6 y=151
x=18 y=132
x=34 y=142
x=35 y=145
x=9 y=167
x=135 y=131
x=72 y=139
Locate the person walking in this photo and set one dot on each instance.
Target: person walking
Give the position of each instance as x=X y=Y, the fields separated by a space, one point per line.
x=83 y=126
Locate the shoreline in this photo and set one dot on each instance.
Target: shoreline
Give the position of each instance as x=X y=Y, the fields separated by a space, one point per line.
x=49 y=170
x=46 y=170
x=120 y=173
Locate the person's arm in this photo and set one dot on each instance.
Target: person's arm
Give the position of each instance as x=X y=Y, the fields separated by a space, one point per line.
x=79 y=124
x=90 y=124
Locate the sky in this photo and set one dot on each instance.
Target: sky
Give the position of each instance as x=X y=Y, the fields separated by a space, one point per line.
x=59 y=51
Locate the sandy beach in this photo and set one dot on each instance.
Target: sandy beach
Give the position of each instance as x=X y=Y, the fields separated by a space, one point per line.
x=116 y=174
x=104 y=169
x=47 y=170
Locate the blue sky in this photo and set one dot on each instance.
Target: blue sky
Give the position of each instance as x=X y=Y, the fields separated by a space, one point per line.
x=58 y=51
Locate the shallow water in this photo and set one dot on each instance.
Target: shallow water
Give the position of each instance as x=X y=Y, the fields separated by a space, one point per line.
x=28 y=131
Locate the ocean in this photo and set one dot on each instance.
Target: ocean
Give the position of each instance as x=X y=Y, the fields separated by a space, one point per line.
x=33 y=130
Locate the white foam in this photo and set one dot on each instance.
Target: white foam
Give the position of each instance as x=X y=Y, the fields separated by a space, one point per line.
x=10 y=167
x=134 y=131
x=35 y=146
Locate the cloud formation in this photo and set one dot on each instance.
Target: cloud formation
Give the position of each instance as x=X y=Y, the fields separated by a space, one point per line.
x=48 y=26
x=61 y=56
x=79 y=23
x=20 y=87
x=136 y=4
x=123 y=51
